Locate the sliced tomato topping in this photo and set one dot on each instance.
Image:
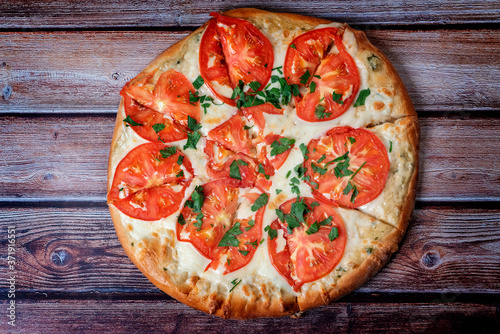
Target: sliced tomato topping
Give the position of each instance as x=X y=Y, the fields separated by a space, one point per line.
x=256 y=113
x=318 y=62
x=311 y=244
x=213 y=67
x=353 y=166
x=148 y=117
x=233 y=135
x=220 y=160
x=169 y=95
x=215 y=227
x=147 y=186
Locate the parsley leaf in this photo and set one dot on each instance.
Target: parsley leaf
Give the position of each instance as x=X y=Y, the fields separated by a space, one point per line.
x=180 y=159
x=245 y=253
x=262 y=171
x=192 y=140
x=229 y=238
x=390 y=147
x=158 y=127
x=278 y=69
x=253 y=243
x=305 y=77
x=337 y=98
x=196 y=201
x=334 y=233
x=260 y=202
x=246 y=127
x=181 y=220
x=180 y=174
x=326 y=221
x=280 y=215
x=254 y=85
x=293 y=46
x=168 y=151
x=281 y=145
x=323 y=157
x=313 y=228
x=312 y=87
x=278 y=191
x=193 y=125
x=235 y=283
x=320 y=112
x=362 y=97
x=251 y=223
x=234 y=170
x=354 y=193
x=304 y=150
x=131 y=121
x=198 y=82
x=271 y=232
x=318 y=169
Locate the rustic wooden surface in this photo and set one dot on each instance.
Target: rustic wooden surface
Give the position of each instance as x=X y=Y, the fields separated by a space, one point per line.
x=62 y=64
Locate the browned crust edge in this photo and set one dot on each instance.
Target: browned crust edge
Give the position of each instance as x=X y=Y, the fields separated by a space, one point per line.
x=238 y=305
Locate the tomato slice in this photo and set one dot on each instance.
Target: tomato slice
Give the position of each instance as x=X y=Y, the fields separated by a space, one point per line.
x=218 y=217
x=148 y=117
x=256 y=113
x=233 y=135
x=220 y=160
x=304 y=257
x=248 y=53
x=147 y=186
x=213 y=67
x=331 y=71
x=170 y=95
x=365 y=151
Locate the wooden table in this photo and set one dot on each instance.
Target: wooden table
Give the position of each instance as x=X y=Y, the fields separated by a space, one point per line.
x=62 y=64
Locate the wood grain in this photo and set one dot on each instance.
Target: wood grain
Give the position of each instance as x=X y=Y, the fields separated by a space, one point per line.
x=92 y=316
x=149 y=13
x=65 y=159
x=83 y=72
x=64 y=251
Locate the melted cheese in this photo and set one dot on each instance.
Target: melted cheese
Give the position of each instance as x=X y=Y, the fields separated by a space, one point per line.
x=361 y=228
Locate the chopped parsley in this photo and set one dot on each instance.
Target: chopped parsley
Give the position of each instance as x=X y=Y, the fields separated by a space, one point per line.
x=260 y=202
x=246 y=127
x=234 y=169
x=281 y=145
x=168 y=151
x=181 y=220
x=334 y=233
x=180 y=174
x=305 y=77
x=352 y=140
x=320 y=112
x=323 y=157
x=357 y=170
x=390 y=147
x=235 y=281
x=196 y=200
x=278 y=69
x=337 y=98
x=326 y=221
x=362 y=97
x=254 y=85
x=193 y=139
x=293 y=46
x=318 y=169
x=198 y=82
x=251 y=223
x=304 y=150
x=369 y=250
x=312 y=87
x=131 y=121
x=193 y=125
x=262 y=171
x=253 y=243
x=288 y=174
x=245 y=253
x=158 y=127
x=271 y=232
x=278 y=191
x=313 y=228
x=229 y=238
x=180 y=159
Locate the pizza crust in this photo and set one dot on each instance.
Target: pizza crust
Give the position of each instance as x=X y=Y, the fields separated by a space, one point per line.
x=266 y=299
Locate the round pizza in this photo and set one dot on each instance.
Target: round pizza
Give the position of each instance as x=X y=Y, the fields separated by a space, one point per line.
x=264 y=165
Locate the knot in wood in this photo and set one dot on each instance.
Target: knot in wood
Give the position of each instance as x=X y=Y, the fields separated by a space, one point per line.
x=431 y=259
x=60 y=257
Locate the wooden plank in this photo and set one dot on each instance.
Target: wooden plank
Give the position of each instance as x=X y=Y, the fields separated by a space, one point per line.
x=149 y=13
x=83 y=72
x=91 y=316
x=65 y=159
x=70 y=251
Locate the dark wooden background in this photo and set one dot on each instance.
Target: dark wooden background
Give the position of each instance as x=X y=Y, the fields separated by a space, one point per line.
x=62 y=64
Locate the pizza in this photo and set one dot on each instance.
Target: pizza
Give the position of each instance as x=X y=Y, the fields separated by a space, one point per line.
x=264 y=165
